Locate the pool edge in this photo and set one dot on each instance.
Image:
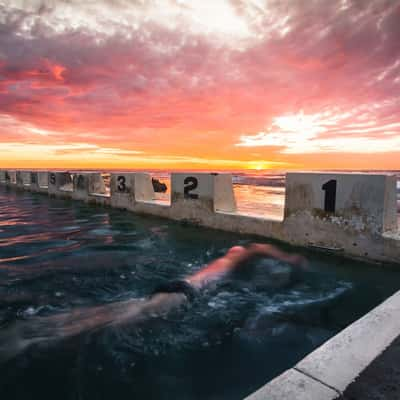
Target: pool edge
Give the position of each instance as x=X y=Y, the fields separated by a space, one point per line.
x=325 y=373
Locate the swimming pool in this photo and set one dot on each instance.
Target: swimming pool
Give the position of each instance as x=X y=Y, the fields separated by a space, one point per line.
x=58 y=256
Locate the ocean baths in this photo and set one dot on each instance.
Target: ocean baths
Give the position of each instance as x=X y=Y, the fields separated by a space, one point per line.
x=225 y=209
x=351 y=214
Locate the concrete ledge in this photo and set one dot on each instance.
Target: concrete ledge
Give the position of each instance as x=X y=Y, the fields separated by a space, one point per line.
x=339 y=361
x=293 y=385
x=99 y=199
x=380 y=380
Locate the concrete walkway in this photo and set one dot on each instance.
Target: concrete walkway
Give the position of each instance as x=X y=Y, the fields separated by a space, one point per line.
x=380 y=380
x=339 y=369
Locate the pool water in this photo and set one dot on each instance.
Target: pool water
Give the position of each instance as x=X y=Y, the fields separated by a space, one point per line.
x=59 y=257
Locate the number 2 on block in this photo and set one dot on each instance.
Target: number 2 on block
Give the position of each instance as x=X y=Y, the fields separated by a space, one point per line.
x=190 y=183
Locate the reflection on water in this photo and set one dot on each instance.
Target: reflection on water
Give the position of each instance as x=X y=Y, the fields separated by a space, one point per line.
x=261 y=201
x=69 y=271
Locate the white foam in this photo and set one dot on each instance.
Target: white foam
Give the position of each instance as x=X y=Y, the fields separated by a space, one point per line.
x=299 y=299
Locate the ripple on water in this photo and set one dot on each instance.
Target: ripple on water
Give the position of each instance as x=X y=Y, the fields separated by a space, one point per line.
x=103 y=232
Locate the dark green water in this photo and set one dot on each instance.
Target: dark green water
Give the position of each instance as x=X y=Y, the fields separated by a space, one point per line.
x=58 y=257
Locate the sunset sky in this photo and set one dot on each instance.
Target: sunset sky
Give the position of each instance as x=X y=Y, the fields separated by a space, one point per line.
x=200 y=84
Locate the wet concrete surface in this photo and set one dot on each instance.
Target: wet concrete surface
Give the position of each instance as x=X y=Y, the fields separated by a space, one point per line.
x=380 y=380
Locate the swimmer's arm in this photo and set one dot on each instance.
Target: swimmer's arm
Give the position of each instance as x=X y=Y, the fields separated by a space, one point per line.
x=267 y=250
x=236 y=257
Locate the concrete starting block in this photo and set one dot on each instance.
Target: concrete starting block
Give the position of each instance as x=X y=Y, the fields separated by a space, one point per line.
x=39 y=181
x=2 y=177
x=43 y=180
x=19 y=179
x=80 y=186
x=196 y=194
x=11 y=178
x=87 y=185
x=364 y=203
x=34 y=179
x=349 y=213
x=129 y=188
x=26 y=179
x=97 y=189
x=57 y=182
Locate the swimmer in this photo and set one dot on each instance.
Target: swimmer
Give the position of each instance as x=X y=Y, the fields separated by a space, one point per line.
x=236 y=258
x=49 y=330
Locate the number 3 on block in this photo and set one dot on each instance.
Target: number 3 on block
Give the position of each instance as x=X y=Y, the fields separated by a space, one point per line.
x=121 y=183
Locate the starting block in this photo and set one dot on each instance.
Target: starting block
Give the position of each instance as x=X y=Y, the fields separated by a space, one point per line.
x=207 y=192
x=57 y=181
x=129 y=188
x=359 y=202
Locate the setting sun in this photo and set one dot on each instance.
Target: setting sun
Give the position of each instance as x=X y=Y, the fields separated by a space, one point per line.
x=258 y=166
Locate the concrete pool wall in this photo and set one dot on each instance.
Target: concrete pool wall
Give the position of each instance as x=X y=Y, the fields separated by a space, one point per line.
x=354 y=215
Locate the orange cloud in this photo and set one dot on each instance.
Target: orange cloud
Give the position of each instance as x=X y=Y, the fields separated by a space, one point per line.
x=231 y=85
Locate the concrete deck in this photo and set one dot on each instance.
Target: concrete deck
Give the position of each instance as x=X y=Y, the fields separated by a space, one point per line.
x=293 y=385
x=380 y=380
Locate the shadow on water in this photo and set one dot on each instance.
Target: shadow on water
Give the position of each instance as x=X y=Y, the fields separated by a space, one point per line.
x=71 y=276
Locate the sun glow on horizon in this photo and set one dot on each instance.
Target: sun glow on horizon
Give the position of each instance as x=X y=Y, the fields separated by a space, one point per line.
x=260 y=165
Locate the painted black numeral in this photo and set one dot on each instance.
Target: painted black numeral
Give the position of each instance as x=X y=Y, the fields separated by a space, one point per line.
x=80 y=182
x=330 y=195
x=121 y=183
x=191 y=183
x=53 y=179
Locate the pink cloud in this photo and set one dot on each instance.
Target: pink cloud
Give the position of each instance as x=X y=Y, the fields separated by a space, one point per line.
x=152 y=86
